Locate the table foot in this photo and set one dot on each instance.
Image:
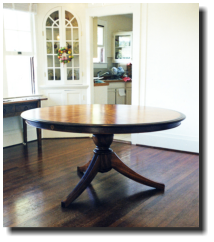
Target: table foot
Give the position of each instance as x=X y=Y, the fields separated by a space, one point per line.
x=119 y=166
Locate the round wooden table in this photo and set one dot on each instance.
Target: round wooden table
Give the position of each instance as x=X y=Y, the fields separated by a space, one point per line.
x=103 y=121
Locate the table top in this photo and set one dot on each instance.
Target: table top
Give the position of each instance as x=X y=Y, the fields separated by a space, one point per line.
x=15 y=100
x=103 y=118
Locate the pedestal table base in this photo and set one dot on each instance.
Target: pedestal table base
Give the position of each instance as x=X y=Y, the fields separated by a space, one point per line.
x=104 y=160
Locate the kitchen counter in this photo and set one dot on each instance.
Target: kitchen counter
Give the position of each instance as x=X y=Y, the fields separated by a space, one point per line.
x=101 y=84
x=106 y=82
x=108 y=92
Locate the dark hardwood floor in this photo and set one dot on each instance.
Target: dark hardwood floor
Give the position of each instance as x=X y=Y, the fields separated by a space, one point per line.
x=36 y=181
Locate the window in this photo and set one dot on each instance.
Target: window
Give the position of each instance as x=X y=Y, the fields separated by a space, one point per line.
x=18 y=52
x=101 y=42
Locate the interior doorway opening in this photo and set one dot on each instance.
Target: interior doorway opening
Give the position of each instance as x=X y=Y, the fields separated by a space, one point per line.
x=112 y=61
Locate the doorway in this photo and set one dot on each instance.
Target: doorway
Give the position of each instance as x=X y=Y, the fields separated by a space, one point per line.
x=132 y=11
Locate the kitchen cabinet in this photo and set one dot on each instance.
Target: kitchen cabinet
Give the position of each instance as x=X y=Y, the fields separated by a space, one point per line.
x=115 y=93
x=111 y=96
x=58 y=96
x=122 y=47
x=101 y=93
x=120 y=99
x=128 y=93
x=61 y=96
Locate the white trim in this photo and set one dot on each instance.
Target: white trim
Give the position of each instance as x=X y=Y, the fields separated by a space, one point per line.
x=169 y=141
x=134 y=9
x=80 y=86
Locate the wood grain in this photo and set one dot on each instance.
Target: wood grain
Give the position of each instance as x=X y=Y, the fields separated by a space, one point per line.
x=35 y=180
x=98 y=118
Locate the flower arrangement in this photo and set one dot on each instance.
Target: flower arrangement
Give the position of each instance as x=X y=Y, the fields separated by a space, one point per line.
x=64 y=55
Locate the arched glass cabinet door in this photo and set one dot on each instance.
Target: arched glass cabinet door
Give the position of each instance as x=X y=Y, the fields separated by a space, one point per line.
x=53 y=32
x=72 y=42
x=62 y=30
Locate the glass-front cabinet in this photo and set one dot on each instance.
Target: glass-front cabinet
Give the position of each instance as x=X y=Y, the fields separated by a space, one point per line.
x=62 y=31
x=122 y=47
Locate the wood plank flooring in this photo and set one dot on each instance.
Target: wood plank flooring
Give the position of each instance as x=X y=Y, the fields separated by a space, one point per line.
x=36 y=181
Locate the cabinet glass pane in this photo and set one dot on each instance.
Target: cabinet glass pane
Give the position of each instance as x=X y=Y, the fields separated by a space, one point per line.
x=74 y=23
x=70 y=63
x=56 y=34
x=56 y=47
x=57 y=75
x=76 y=48
x=76 y=61
x=50 y=75
x=122 y=41
x=49 y=22
x=50 y=60
x=48 y=33
x=56 y=61
x=123 y=53
x=49 y=48
x=75 y=34
x=126 y=53
x=68 y=15
x=69 y=74
x=55 y=15
x=68 y=34
x=68 y=45
x=76 y=74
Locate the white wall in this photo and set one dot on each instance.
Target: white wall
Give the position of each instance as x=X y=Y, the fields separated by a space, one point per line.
x=172 y=72
x=116 y=23
x=165 y=75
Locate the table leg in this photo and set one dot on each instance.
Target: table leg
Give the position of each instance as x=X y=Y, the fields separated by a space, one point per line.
x=39 y=136
x=84 y=182
x=104 y=160
x=24 y=132
x=119 y=166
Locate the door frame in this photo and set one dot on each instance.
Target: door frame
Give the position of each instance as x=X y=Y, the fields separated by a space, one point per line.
x=106 y=10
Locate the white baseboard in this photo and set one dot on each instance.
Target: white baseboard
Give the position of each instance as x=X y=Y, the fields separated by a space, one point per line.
x=167 y=141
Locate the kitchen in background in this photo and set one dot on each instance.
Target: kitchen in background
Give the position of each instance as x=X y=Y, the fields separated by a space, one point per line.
x=113 y=65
